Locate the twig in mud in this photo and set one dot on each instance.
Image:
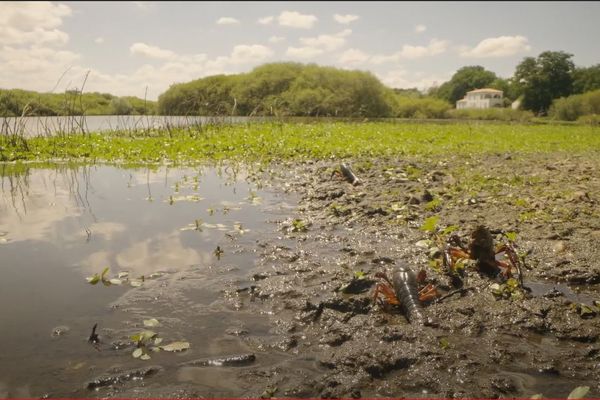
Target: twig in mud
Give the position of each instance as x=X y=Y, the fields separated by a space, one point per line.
x=461 y=291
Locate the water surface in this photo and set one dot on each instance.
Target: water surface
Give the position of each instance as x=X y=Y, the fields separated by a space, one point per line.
x=61 y=225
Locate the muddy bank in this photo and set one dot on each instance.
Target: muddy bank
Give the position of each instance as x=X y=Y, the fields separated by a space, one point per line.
x=474 y=344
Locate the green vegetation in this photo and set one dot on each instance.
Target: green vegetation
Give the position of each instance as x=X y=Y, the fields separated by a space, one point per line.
x=542 y=79
x=466 y=79
x=573 y=107
x=269 y=141
x=282 y=89
x=423 y=107
x=17 y=102
x=492 y=114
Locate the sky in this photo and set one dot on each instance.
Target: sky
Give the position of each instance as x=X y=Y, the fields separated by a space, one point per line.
x=141 y=48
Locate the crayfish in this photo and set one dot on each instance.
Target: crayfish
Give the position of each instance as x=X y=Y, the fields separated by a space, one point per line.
x=489 y=260
x=404 y=291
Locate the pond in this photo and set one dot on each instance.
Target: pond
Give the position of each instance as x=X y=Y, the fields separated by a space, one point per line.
x=43 y=126
x=157 y=231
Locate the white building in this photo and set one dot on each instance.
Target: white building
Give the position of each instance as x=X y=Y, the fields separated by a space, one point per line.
x=481 y=98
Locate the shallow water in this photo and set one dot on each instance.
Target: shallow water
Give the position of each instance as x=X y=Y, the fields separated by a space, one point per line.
x=61 y=225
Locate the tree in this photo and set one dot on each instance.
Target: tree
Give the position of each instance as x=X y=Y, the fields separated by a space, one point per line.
x=544 y=79
x=464 y=80
x=120 y=106
x=586 y=79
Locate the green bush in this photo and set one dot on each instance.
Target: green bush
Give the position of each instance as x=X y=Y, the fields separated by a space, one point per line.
x=282 y=89
x=17 y=102
x=573 y=107
x=589 y=119
x=426 y=107
x=498 y=114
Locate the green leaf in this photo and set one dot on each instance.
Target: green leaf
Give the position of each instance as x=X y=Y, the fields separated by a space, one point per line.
x=444 y=344
x=94 y=279
x=449 y=229
x=359 y=275
x=143 y=337
x=430 y=223
x=176 y=346
x=137 y=353
x=511 y=236
x=579 y=392
x=104 y=272
x=586 y=311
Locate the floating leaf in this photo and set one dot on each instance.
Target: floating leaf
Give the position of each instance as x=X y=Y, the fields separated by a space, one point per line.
x=579 y=392
x=135 y=283
x=158 y=341
x=143 y=336
x=122 y=275
x=137 y=353
x=116 y=281
x=176 y=346
x=93 y=279
x=151 y=322
x=536 y=396
x=145 y=357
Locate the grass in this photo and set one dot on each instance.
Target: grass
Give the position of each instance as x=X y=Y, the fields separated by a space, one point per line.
x=299 y=141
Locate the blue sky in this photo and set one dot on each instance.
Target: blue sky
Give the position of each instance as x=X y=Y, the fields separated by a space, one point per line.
x=129 y=47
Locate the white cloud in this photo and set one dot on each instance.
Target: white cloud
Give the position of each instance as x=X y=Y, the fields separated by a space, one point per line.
x=99 y=40
x=294 y=19
x=408 y=52
x=32 y=23
x=242 y=53
x=353 y=56
x=420 y=28
x=345 y=19
x=146 y=50
x=434 y=47
x=33 y=68
x=327 y=42
x=266 y=20
x=303 y=52
x=502 y=46
x=276 y=39
x=383 y=58
x=144 y=5
x=227 y=21
x=30 y=41
x=400 y=78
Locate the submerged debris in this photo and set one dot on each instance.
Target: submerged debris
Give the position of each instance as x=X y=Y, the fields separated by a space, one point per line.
x=135 y=374
x=227 y=361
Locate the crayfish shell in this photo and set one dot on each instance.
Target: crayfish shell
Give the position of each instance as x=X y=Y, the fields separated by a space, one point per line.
x=405 y=285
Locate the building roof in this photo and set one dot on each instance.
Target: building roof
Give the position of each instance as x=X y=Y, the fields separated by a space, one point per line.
x=485 y=90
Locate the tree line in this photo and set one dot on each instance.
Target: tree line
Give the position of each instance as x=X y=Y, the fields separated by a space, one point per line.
x=17 y=102
x=294 y=89
x=537 y=82
x=549 y=84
